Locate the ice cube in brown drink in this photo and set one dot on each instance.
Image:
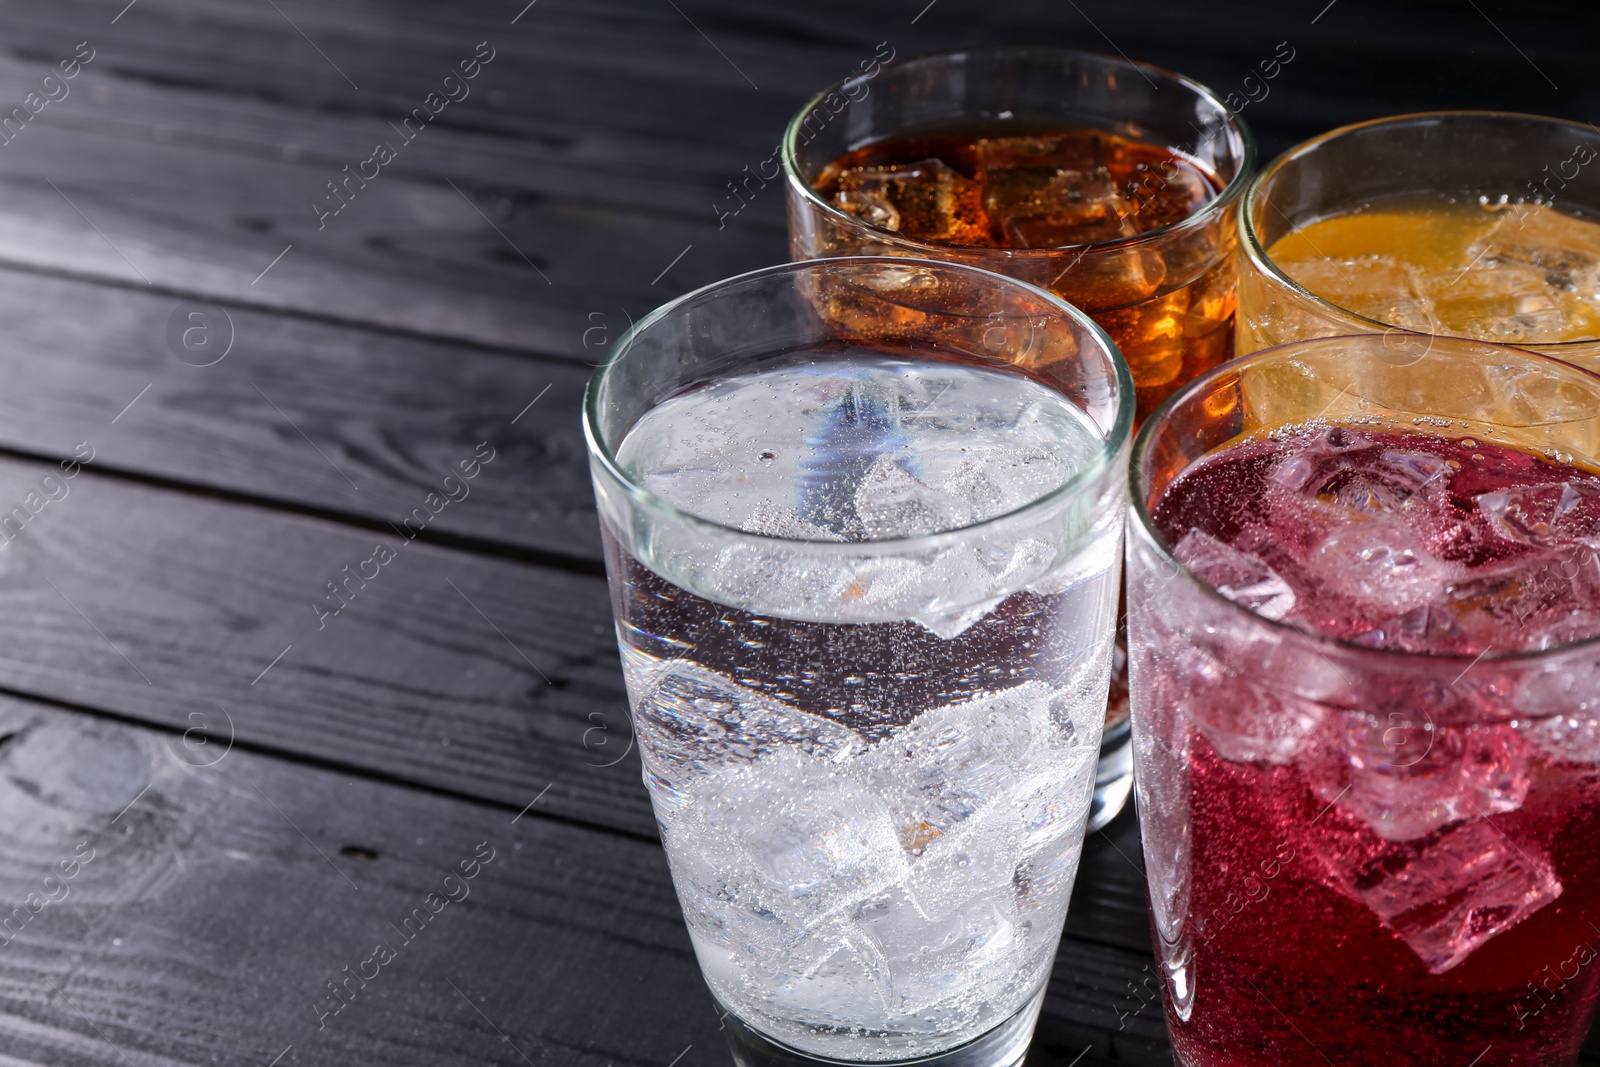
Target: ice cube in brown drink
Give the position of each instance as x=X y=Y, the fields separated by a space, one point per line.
x=926 y=198
x=1048 y=191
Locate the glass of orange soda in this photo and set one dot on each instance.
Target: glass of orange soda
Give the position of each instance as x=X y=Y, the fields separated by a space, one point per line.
x=1472 y=224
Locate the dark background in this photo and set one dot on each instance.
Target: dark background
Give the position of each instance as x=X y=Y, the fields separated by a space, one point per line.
x=268 y=789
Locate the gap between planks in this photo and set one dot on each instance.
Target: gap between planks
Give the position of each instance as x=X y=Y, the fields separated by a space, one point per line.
x=530 y=355
x=488 y=547
x=352 y=770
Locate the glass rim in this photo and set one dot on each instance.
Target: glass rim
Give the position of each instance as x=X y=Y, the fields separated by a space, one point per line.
x=1144 y=522
x=1078 y=483
x=1200 y=216
x=1257 y=253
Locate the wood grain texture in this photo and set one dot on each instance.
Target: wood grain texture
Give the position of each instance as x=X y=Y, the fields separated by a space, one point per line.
x=326 y=418
x=221 y=899
x=454 y=671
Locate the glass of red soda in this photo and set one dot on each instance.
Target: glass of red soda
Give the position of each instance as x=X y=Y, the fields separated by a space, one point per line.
x=1364 y=578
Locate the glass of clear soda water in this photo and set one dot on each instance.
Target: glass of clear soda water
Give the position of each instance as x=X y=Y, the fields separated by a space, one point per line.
x=863 y=520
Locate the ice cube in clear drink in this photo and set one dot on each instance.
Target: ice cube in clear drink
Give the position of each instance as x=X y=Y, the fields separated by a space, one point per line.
x=952 y=761
x=954 y=963
x=893 y=502
x=692 y=722
x=802 y=837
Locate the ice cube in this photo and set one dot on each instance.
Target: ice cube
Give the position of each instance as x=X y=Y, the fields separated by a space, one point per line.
x=1383 y=563
x=1378 y=287
x=893 y=502
x=1405 y=776
x=692 y=722
x=1557 y=602
x=975 y=858
x=1523 y=327
x=946 y=590
x=1029 y=162
x=1495 y=302
x=993 y=485
x=872 y=208
x=975 y=485
x=1167 y=197
x=1040 y=187
x=848 y=977
x=1428 y=628
x=1564 y=250
x=1050 y=191
x=1328 y=480
x=956 y=962
x=1546 y=596
x=1570 y=738
x=1053 y=821
x=1534 y=276
x=1240 y=577
x=952 y=761
x=776 y=520
x=1533 y=514
x=1449 y=895
x=791 y=839
x=1415 y=470
x=810 y=847
x=833 y=978
x=927 y=199
x=1255 y=724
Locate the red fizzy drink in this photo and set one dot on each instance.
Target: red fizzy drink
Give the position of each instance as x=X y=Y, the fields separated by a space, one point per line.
x=1382 y=848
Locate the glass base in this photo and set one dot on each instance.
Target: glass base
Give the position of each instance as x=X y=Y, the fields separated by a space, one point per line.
x=1004 y=1046
x=1113 y=782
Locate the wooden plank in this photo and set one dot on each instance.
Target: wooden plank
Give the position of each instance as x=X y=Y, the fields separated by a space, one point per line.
x=410 y=256
x=221 y=896
x=496 y=262
x=524 y=124
x=619 y=129
x=224 y=890
x=320 y=417
x=484 y=677
x=581 y=71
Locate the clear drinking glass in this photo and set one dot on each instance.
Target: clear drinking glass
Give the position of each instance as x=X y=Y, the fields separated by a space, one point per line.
x=862 y=522
x=1358 y=854
x=1507 y=275
x=1156 y=273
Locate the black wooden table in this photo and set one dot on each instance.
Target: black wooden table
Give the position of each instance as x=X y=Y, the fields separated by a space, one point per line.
x=305 y=647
